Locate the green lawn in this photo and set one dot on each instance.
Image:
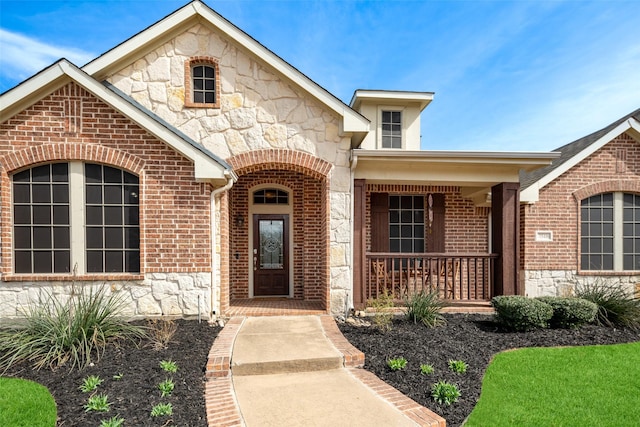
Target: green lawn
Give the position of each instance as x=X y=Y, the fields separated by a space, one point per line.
x=26 y=404
x=572 y=386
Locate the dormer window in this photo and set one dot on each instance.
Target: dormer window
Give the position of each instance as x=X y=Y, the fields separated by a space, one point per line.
x=202 y=83
x=391 y=129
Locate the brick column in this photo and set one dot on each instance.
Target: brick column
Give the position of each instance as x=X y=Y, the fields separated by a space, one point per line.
x=505 y=237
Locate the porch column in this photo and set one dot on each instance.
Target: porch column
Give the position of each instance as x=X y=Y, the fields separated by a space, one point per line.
x=359 y=241
x=505 y=236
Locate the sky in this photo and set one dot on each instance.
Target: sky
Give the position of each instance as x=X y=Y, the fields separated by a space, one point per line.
x=508 y=75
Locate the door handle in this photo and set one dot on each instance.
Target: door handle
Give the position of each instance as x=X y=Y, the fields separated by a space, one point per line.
x=255 y=263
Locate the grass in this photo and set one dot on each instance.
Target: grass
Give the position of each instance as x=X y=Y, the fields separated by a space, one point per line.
x=25 y=403
x=569 y=386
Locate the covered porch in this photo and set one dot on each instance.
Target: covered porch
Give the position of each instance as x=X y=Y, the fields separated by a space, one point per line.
x=446 y=222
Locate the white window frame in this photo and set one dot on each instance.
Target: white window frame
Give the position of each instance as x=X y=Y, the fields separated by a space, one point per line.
x=403 y=129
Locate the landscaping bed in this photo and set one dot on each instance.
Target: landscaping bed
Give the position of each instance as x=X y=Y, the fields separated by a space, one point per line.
x=135 y=392
x=473 y=338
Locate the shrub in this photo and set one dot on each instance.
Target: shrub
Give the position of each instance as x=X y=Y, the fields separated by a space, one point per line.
x=169 y=366
x=161 y=332
x=519 y=313
x=397 y=364
x=166 y=387
x=426 y=369
x=90 y=383
x=458 y=366
x=98 y=403
x=445 y=393
x=616 y=307
x=112 y=422
x=425 y=308
x=383 y=310
x=56 y=333
x=570 y=312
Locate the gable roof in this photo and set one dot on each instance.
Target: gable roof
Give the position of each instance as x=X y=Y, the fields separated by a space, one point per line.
x=207 y=165
x=573 y=153
x=198 y=12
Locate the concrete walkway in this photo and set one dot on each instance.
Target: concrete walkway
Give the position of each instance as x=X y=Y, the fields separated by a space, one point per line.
x=299 y=371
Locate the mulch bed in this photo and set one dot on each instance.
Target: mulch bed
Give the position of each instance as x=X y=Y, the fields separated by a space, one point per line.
x=473 y=338
x=133 y=396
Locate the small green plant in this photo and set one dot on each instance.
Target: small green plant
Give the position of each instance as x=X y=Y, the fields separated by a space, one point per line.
x=397 y=364
x=98 y=403
x=166 y=387
x=90 y=383
x=458 y=366
x=118 y=377
x=445 y=393
x=426 y=369
x=169 y=366
x=382 y=310
x=425 y=308
x=112 y=422
x=161 y=410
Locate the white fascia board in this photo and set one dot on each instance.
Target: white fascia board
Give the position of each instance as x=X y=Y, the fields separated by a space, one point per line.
x=423 y=98
x=524 y=159
x=64 y=72
x=352 y=121
x=630 y=124
x=530 y=195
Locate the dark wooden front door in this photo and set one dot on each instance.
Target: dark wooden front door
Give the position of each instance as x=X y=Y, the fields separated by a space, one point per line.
x=271 y=255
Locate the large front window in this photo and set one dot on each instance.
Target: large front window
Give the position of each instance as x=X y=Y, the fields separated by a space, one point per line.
x=74 y=217
x=610 y=232
x=406 y=224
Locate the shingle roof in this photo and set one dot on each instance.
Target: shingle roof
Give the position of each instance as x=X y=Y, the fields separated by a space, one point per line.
x=570 y=150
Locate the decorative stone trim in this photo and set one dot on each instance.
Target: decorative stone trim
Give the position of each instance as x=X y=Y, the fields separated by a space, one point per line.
x=625 y=186
x=188 y=90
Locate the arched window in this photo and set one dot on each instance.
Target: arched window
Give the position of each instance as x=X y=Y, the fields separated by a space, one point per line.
x=270 y=196
x=610 y=232
x=75 y=215
x=202 y=83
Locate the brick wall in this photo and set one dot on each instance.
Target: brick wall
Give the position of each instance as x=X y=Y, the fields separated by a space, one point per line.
x=466 y=226
x=71 y=124
x=558 y=207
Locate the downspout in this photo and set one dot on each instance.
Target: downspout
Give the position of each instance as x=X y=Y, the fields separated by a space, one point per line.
x=354 y=162
x=215 y=286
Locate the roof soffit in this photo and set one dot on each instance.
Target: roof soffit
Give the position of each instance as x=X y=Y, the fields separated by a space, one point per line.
x=197 y=12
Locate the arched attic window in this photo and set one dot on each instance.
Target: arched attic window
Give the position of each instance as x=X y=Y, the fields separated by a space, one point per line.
x=202 y=83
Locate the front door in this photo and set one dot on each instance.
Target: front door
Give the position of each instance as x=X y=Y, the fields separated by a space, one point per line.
x=270 y=255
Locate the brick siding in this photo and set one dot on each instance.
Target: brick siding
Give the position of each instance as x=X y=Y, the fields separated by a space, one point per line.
x=558 y=207
x=71 y=124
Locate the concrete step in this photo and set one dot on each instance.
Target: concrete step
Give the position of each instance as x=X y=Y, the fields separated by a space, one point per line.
x=279 y=345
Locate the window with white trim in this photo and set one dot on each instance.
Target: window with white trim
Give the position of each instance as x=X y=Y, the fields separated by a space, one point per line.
x=391 y=124
x=75 y=217
x=610 y=232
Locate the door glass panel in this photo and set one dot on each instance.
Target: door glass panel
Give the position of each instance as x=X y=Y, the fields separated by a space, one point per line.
x=271 y=244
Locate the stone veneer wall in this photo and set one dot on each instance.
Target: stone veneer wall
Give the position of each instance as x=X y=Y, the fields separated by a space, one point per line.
x=159 y=294
x=549 y=268
x=258 y=110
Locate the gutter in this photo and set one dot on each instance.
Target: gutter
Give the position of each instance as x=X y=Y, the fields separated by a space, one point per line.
x=215 y=286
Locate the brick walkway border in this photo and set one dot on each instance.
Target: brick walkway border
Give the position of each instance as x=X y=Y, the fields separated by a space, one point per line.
x=222 y=406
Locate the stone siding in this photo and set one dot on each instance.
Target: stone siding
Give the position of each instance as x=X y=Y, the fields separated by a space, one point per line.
x=258 y=111
x=563 y=282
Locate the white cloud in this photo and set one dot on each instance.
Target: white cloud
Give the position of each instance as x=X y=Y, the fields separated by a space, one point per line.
x=22 y=56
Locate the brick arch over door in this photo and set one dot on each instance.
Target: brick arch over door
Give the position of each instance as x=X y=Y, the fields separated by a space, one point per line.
x=307 y=177
x=297 y=161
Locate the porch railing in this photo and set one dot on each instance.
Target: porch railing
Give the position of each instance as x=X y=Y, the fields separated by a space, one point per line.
x=454 y=276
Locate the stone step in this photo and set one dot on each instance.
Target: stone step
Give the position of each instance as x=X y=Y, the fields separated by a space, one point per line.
x=283 y=345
